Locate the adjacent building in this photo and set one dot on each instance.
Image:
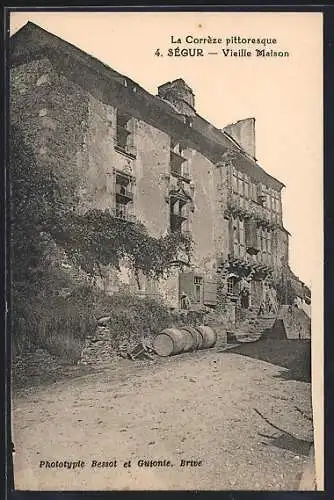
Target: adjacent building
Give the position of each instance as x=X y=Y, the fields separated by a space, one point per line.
x=153 y=158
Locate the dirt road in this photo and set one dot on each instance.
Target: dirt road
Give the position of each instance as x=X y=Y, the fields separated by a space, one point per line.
x=209 y=407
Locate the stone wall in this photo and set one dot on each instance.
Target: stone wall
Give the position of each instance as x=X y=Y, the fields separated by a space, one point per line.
x=281 y=250
x=48 y=108
x=73 y=133
x=297 y=324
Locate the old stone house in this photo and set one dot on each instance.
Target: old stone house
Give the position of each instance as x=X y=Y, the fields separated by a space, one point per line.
x=154 y=159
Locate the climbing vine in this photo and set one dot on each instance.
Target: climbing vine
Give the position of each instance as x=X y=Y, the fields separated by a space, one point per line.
x=96 y=238
x=43 y=211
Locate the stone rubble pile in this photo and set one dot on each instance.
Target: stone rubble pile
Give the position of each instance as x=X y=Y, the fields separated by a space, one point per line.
x=99 y=348
x=103 y=345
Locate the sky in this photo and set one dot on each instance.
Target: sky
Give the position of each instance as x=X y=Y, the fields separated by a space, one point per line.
x=283 y=94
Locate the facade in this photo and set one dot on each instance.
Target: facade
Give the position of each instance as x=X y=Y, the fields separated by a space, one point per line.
x=153 y=159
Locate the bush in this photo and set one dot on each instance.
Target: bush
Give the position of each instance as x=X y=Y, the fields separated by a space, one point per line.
x=56 y=324
x=61 y=324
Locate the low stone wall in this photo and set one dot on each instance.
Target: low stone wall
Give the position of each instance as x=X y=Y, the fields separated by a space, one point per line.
x=296 y=322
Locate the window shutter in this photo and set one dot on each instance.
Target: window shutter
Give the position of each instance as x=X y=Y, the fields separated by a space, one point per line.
x=186 y=284
x=210 y=293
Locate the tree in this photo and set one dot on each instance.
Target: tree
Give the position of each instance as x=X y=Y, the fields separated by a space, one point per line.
x=34 y=194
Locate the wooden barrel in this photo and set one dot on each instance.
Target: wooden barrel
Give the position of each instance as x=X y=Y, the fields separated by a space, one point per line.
x=209 y=336
x=169 y=341
x=189 y=341
x=196 y=336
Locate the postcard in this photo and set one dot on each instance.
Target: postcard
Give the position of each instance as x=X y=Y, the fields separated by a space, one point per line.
x=166 y=238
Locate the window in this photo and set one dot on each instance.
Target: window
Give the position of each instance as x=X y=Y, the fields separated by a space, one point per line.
x=254 y=195
x=240 y=242
x=235 y=183
x=259 y=244
x=179 y=165
x=124 y=194
x=121 y=210
x=263 y=244
x=240 y=186
x=246 y=192
x=265 y=237
x=231 y=284
x=178 y=213
x=261 y=194
x=236 y=237
x=188 y=121
x=242 y=237
x=198 y=283
x=251 y=237
x=269 y=242
x=125 y=133
x=279 y=207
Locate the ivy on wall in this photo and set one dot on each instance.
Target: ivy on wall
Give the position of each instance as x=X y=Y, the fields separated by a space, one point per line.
x=96 y=238
x=43 y=211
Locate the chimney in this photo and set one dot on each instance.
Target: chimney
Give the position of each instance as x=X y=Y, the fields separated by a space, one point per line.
x=243 y=132
x=180 y=95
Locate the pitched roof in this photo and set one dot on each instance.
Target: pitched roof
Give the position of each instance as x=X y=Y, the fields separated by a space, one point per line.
x=33 y=41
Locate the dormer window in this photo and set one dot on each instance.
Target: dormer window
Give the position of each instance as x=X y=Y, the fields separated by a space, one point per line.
x=125 y=133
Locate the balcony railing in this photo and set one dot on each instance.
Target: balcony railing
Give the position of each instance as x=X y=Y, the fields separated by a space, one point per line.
x=253 y=211
x=127 y=150
x=244 y=264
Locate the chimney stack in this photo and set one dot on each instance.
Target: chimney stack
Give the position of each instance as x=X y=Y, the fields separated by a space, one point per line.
x=180 y=95
x=243 y=132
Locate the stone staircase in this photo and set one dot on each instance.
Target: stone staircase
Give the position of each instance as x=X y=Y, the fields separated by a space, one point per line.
x=251 y=327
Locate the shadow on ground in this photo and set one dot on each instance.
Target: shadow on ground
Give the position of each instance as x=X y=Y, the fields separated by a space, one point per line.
x=293 y=355
x=299 y=447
